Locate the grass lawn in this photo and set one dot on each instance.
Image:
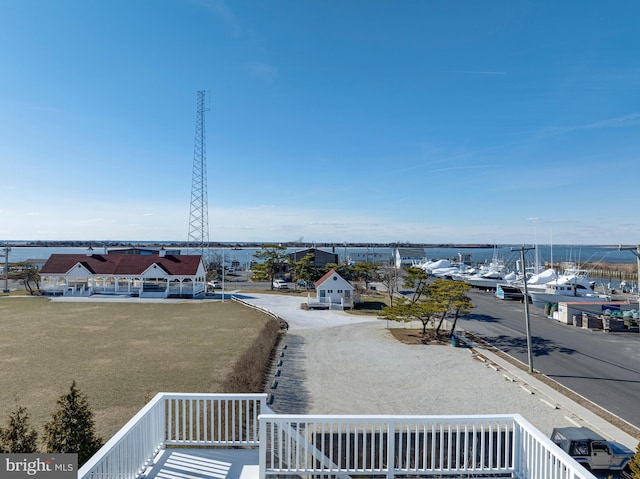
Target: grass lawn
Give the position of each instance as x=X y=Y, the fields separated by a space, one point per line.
x=120 y=355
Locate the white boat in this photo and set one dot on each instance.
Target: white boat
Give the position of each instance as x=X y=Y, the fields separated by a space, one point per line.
x=490 y=279
x=569 y=287
x=490 y=275
x=535 y=282
x=434 y=265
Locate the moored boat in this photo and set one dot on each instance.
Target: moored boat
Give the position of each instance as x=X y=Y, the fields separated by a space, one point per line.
x=567 y=288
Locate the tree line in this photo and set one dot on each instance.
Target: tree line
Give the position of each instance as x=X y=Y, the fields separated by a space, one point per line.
x=273 y=261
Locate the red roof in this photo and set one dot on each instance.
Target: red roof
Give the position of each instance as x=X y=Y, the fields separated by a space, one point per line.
x=326 y=277
x=118 y=264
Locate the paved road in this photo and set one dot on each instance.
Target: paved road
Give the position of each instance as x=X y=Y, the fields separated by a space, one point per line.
x=603 y=367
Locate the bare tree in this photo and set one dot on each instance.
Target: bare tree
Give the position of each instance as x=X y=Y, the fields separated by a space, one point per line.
x=390 y=277
x=30 y=277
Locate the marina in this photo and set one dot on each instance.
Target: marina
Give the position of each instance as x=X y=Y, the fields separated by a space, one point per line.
x=556 y=254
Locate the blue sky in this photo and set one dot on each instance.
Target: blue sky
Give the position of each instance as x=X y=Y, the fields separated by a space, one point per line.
x=346 y=121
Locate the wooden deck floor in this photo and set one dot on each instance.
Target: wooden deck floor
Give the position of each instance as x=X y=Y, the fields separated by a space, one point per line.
x=206 y=464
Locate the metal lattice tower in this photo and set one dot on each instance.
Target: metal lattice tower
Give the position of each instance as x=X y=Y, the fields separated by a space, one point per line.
x=198 y=241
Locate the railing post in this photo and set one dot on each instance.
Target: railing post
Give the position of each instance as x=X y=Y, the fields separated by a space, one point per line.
x=162 y=423
x=517 y=448
x=262 y=447
x=391 y=450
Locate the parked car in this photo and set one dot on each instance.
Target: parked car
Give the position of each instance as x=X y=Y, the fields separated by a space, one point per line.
x=305 y=285
x=280 y=284
x=214 y=284
x=592 y=450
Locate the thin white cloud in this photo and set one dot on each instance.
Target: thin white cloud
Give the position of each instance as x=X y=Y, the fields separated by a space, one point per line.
x=263 y=71
x=620 y=121
x=233 y=227
x=326 y=223
x=453 y=168
x=221 y=10
x=624 y=120
x=260 y=207
x=476 y=72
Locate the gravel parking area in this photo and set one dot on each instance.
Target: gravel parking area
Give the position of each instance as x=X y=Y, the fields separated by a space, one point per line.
x=336 y=363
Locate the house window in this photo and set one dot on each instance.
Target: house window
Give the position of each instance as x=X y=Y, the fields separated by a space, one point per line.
x=329 y=291
x=339 y=291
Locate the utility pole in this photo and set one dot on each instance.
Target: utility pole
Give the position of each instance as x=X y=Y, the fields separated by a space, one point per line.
x=637 y=253
x=223 y=274
x=6 y=268
x=522 y=249
x=198 y=238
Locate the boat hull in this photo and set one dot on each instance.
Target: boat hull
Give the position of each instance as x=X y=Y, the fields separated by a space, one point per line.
x=509 y=292
x=540 y=299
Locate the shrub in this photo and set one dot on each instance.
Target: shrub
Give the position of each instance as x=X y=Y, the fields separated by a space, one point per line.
x=72 y=428
x=249 y=371
x=19 y=436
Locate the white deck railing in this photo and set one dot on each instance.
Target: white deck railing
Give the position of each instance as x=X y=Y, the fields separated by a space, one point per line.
x=212 y=420
x=327 y=302
x=333 y=446
x=344 y=446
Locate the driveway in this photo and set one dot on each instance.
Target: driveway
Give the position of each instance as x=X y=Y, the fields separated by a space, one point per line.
x=337 y=363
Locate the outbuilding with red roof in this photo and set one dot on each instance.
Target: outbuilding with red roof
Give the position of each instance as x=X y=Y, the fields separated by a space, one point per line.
x=333 y=291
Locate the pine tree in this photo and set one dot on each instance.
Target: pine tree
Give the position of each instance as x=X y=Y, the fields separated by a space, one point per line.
x=71 y=429
x=19 y=436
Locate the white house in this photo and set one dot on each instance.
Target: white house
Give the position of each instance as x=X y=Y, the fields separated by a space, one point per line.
x=333 y=291
x=158 y=275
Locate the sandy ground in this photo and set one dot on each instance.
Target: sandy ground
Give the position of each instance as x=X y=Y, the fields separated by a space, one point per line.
x=333 y=363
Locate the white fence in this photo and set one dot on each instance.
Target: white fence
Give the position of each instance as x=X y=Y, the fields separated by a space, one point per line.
x=177 y=419
x=390 y=446
x=333 y=446
x=327 y=302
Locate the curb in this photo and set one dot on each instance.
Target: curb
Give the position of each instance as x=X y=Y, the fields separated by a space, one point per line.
x=555 y=399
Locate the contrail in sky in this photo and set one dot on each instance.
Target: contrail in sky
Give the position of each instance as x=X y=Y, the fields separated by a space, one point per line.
x=474 y=72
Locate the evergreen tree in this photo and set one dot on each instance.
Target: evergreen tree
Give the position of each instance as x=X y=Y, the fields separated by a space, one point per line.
x=304 y=270
x=19 y=436
x=71 y=429
x=273 y=259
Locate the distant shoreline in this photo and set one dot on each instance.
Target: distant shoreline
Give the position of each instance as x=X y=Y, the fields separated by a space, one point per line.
x=257 y=244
